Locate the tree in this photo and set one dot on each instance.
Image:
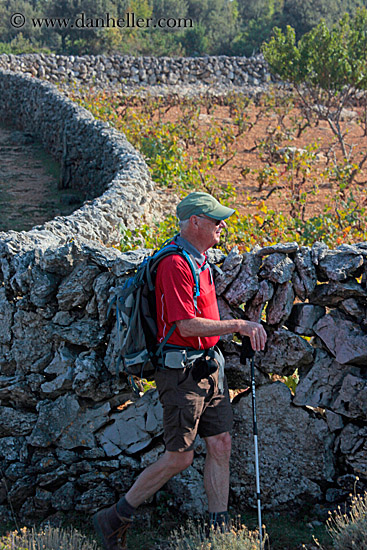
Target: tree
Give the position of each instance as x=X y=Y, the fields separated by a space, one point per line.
x=326 y=68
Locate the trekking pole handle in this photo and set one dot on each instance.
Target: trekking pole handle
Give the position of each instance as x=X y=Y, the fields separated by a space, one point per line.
x=246 y=350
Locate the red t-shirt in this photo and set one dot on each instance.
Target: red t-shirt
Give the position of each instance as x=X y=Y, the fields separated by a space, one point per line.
x=174 y=289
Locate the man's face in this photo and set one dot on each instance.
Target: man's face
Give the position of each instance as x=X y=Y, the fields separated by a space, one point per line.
x=210 y=230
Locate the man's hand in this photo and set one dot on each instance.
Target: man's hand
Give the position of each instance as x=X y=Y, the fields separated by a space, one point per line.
x=210 y=327
x=256 y=333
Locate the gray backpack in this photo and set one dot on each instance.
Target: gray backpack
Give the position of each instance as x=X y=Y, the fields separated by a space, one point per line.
x=137 y=347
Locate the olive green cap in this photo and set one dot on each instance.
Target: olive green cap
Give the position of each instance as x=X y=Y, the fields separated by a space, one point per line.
x=199 y=203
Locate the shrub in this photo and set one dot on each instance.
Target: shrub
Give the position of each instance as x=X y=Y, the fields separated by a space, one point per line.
x=49 y=538
x=349 y=531
x=192 y=537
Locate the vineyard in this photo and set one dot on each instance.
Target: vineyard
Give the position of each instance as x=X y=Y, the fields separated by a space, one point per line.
x=289 y=175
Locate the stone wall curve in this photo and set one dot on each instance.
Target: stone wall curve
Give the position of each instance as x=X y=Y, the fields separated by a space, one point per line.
x=94 y=158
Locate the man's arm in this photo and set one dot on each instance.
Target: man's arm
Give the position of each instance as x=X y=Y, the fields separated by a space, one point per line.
x=209 y=327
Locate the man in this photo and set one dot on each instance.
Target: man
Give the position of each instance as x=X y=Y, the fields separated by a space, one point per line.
x=193 y=393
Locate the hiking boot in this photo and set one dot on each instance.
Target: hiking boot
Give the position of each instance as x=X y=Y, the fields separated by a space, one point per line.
x=112 y=528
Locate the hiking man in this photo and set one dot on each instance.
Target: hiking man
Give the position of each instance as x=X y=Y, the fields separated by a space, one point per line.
x=191 y=383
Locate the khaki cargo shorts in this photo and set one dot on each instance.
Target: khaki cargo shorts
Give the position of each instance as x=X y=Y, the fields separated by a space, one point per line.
x=191 y=408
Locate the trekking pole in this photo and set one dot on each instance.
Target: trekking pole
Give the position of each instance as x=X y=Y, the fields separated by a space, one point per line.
x=248 y=353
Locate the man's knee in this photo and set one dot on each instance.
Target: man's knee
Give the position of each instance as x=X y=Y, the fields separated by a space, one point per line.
x=219 y=446
x=179 y=461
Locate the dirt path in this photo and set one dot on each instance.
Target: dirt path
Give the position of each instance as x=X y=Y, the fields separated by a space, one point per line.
x=28 y=183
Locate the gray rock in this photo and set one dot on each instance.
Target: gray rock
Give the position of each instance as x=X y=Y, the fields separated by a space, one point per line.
x=353 y=308
x=6 y=317
x=96 y=498
x=53 y=419
x=13 y=448
x=77 y=288
x=320 y=386
x=32 y=341
x=57 y=259
x=353 y=444
x=343 y=338
x=282 y=248
x=239 y=376
x=16 y=423
x=63 y=366
x=278 y=268
x=334 y=421
x=280 y=306
x=43 y=287
x=332 y=294
x=318 y=252
x=230 y=268
x=292 y=443
x=255 y=306
x=80 y=432
x=303 y=317
x=65 y=497
x=134 y=427
x=246 y=284
x=284 y=353
x=187 y=492
x=88 y=379
x=102 y=285
x=304 y=278
x=338 y=266
x=352 y=398
x=83 y=332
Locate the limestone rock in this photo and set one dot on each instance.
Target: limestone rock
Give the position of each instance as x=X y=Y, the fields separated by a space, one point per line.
x=6 y=317
x=187 y=491
x=13 y=448
x=76 y=289
x=239 y=376
x=83 y=332
x=96 y=498
x=32 y=343
x=332 y=294
x=280 y=306
x=90 y=378
x=278 y=268
x=230 y=268
x=255 y=306
x=282 y=248
x=292 y=443
x=320 y=386
x=352 y=398
x=304 y=278
x=53 y=419
x=345 y=339
x=134 y=427
x=102 y=285
x=43 y=286
x=62 y=366
x=303 y=317
x=81 y=432
x=16 y=423
x=337 y=265
x=284 y=353
x=245 y=286
x=65 y=497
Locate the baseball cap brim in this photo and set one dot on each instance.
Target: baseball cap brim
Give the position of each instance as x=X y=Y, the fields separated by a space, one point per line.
x=199 y=203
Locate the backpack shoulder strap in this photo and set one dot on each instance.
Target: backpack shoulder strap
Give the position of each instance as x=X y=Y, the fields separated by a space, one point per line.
x=170 y=250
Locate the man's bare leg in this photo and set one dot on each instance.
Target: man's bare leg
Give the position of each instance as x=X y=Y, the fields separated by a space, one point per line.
x=216 y=471
x=156 y=475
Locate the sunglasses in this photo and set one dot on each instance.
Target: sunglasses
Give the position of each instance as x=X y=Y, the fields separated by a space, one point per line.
x=216 y=222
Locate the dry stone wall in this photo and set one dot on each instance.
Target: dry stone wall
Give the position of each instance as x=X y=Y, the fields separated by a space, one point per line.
x=130 y=71
x=95 y=159
x=72 y=437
